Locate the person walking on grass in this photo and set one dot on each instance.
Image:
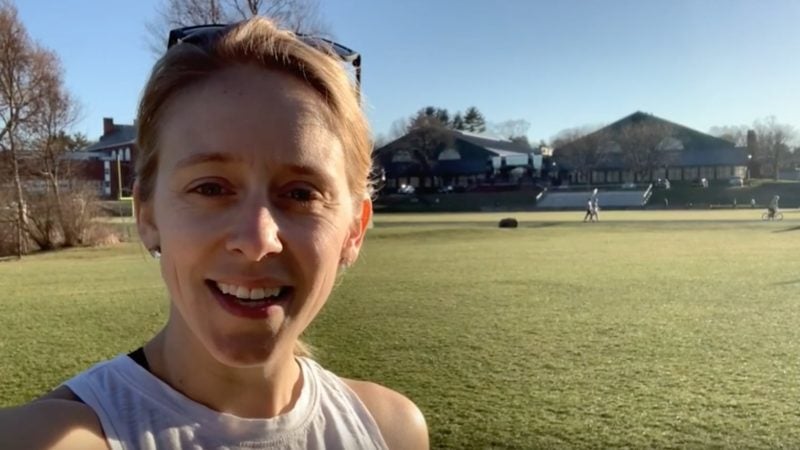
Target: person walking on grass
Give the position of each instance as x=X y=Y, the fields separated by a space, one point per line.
x=595 y=209
x=252 y=191
x=589 y=212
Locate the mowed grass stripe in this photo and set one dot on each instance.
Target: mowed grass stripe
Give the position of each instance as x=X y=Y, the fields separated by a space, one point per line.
x=628 y=333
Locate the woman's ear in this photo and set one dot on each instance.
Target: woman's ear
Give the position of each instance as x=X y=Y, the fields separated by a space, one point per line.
x=358 y=229
x=145 y=221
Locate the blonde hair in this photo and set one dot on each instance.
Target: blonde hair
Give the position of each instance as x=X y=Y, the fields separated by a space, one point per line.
x=256 y=42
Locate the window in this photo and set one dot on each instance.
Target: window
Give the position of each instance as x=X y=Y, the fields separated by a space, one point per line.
x=402 y=156
x=449 y=155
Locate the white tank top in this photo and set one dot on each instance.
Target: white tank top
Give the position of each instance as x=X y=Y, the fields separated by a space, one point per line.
x=138 y=411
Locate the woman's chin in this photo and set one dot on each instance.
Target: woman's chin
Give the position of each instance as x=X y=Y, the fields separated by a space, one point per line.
x=247 y=350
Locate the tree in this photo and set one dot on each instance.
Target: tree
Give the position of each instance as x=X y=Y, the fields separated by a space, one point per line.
x=300 y=16
x=35 y=112
x=429 y=117
x=76 y=142
x=514 y=130
x=643 y=147
x=458 y=122
x=427 y=135
x=50 y=144
x=521 y=141
x=581 y=148
x=737 y=134
x=772 y=144
x=443 y=115
x=379 y=140
x=474 y=120
x=398 y=129
x=25 y=72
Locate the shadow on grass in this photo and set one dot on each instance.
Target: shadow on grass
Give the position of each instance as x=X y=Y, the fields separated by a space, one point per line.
x=434 y=224
x=785 y=283
x=795 y=228
x=482 y=224
x=542 y=224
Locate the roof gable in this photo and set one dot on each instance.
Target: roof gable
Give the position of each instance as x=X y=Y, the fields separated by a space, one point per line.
x=690 y=139
x=122 y=135
x=470 y=145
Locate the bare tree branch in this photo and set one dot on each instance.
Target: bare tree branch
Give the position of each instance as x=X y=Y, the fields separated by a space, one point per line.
x=582 y=149
x=300 y=16
x=773 y=141
x=34 y=110
x=735 y=134
x=643 y=148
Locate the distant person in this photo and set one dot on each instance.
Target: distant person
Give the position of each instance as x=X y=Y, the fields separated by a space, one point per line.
x=773 y=206
x=589 y=213
x=666 y=202
x=752 y=203
x=734 y=203
x=595 y=210
x=253 y=192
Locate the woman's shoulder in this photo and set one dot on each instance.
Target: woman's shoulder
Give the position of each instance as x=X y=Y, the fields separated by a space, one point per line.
x=55 y=421
x=401 y=422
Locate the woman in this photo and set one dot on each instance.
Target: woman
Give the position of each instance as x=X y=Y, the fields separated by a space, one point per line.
x=252 y=190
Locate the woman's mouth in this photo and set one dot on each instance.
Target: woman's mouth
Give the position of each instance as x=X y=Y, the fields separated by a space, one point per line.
x=252 y=303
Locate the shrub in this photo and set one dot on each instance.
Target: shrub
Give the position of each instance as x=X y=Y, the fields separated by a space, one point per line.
x=79 y=208
x=508 y=222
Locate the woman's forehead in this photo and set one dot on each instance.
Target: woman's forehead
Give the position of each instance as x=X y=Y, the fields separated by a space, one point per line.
x=246 y=94
x=243 y=110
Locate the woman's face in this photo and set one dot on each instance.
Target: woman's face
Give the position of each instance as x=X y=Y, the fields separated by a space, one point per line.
x=252 y=211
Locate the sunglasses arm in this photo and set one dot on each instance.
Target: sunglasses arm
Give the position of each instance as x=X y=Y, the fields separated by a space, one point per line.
x=357 y=65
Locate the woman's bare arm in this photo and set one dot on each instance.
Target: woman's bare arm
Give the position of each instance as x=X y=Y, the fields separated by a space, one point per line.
x=51 y=424
x=401 y=422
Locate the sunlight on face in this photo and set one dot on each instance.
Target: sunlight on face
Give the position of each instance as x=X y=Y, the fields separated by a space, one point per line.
x=251 y=198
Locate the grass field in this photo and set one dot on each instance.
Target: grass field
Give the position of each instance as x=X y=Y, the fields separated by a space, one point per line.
x=669 y=329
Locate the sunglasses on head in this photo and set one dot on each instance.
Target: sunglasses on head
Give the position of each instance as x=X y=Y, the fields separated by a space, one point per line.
x=202 y=35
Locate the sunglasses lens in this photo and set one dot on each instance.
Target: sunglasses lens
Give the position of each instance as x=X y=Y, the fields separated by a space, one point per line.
x=203 y=35
x=197 y=35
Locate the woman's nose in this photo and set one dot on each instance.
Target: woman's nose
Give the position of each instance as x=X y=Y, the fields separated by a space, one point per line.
x=255 y=233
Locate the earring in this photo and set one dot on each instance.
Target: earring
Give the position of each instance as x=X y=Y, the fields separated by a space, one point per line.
x=155 y=252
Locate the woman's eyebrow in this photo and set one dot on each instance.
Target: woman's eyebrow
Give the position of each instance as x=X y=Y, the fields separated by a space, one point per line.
x=217 y=157
x=312 y=171
x=201 y=158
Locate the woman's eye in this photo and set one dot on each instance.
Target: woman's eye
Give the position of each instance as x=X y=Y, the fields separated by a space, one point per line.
x=301 y=195
x=211 y=190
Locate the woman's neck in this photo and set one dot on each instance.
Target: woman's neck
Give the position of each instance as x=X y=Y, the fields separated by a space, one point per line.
x=260 y=392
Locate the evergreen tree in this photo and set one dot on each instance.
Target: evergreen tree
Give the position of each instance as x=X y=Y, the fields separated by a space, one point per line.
x=458 y=122
x=443 y=115
x=474 y=120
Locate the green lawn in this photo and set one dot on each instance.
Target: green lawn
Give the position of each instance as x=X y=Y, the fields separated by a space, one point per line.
x=651 y=329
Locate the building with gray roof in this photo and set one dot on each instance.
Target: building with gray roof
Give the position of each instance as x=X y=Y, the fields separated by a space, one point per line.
x=441 y=157
x=681 y=154
x=110 y=161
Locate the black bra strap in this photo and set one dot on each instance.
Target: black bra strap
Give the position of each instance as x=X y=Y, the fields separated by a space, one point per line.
x=139 y=357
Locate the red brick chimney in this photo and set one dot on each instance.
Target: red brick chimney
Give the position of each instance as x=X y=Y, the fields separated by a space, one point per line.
x=108 y=125
x=752 y=141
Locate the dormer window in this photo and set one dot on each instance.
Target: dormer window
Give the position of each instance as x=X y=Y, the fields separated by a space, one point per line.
x=449 y=154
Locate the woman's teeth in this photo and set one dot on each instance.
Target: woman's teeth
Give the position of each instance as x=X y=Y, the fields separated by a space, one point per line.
x=244 y=293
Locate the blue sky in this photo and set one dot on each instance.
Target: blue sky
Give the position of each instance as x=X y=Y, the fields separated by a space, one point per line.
x=556 y=64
